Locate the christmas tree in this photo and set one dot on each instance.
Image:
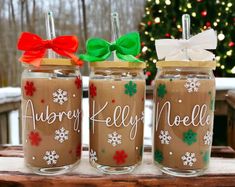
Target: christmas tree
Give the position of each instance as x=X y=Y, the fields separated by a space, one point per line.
x=162 y=19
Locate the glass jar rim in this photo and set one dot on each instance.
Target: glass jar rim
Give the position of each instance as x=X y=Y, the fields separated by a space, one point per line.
x=118 y=64
x=186 y=64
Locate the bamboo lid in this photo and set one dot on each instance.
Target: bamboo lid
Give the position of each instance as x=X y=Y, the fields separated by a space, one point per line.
x=187 y=64
x=118 y=64
x=57 y=62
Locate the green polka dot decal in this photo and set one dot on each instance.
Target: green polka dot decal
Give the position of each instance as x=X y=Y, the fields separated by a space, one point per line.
x=189 y=137
x=130 y=88
x=158 y=156
x=161 y=90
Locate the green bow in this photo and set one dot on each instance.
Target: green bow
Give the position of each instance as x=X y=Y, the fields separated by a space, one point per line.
x=127 y=47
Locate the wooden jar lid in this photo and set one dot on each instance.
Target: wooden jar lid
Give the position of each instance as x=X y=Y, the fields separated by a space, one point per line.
x=57 y=62
x=187 y=64
x=118 y=64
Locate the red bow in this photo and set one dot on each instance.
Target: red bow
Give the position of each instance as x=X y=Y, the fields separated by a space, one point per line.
x=35 y=48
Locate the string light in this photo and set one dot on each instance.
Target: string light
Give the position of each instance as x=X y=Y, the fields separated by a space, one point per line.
x=157 y=20
x=146 y=33
x=160 y=11
x=229 y=4
x=229 y=53
x=178 y=26
x=194 y=14
x=222 y=67
x=233 y=70
x=144 y=49
x=189 y=5
x=215 y=24
x=218 y=64
x=147 y=12
x=168 y=2
x=154 y=60
x=226 y=9
x=152 y=39
x=221 y=36
x=219 y=14
x=217 y=20
x=217 y=58
x=157 y=2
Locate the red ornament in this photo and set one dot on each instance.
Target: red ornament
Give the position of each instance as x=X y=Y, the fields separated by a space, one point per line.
x=208 y=24
x=138 y=56
x=78 y=150
x=148 y=73
x=29 y=88
x=34 y=138
x=78 y=82
x=167 y=35
x=142 y=44
x=203 y=13
x=92 y=90
x=149 y=23
x=231 y=44
x=120 y=157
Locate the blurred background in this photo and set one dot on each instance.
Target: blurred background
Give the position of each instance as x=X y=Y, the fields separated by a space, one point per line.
x=154 y=19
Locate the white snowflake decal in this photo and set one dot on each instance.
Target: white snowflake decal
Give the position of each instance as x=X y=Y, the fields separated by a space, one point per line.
x=61 y=135
x=93 y=156
x=189 y=159
x=164 y=137
x=114 y=139
x=60 y=96
x=51 y=157
x=192 y=84
x=208 y=138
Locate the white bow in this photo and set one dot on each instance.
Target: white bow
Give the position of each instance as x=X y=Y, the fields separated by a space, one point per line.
x=173 y=49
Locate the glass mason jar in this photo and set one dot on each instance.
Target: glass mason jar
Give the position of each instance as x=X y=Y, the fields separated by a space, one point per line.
x=184 y=96
x=116 y=104
x=51 y=116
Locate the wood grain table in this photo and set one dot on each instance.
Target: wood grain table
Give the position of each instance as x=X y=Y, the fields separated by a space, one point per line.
x=13 y=173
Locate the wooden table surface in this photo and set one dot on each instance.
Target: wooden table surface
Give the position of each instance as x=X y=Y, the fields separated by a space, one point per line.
x=13 y=173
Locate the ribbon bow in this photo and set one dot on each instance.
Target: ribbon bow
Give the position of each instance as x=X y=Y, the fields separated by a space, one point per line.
x=173 y=49
x=127 y=47
x=35 y=48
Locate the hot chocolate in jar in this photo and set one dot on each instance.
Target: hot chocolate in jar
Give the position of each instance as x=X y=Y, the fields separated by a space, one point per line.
x=184 y=96
x=51 y=105
x=116 y=104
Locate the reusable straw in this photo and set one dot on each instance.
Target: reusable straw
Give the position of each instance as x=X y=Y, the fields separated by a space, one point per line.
x=50 y=31
x=115 y=30
x=186 y=31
